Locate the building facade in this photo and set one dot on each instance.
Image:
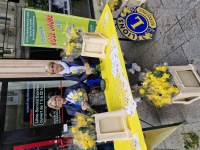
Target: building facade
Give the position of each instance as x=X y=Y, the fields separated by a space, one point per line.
x=24 y=86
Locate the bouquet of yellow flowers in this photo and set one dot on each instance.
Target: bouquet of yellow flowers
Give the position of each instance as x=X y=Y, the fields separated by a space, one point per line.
x=84 y=133
x=78 y=97
x=114 y=4
x=73 y=44
x=157 y=86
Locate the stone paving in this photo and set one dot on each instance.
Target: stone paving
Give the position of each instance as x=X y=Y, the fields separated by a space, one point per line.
x=176 y=41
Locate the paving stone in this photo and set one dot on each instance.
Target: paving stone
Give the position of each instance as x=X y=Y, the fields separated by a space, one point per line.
x=126 y=45
x=175 y=141
x=161 y=146
x=144 y=105
x=155 y=7
x=189 y=26
x=176 y=58
x=166 y=21
x=192 y=49
x=170 y=114
x=191 y=112
x=133 y=78
x=154 y=54
x=192 y=127
x=195 y=13
x=132 y=54
x=143 y=46
x=182 y=7
x=150 y=116
x=165 y=3
x=170 y=2
x=145 y=61
x=198 y=68
x=171 y=40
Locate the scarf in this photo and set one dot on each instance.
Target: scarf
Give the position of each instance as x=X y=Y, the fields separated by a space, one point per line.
x=68 y=69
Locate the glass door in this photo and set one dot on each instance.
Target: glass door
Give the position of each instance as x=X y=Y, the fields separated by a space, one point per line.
x=26 y=104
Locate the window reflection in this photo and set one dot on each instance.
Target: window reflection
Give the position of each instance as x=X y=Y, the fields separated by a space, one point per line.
x=26 y=104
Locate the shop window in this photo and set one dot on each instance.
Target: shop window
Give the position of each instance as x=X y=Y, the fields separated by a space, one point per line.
x=9 y=50
x=26 y=105
x=4 y=19
x=9 y=20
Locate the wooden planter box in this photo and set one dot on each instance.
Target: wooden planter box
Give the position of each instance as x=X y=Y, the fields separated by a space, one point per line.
x=94 y=45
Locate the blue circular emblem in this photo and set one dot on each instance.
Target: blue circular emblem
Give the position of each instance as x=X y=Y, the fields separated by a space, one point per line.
x=136 y=23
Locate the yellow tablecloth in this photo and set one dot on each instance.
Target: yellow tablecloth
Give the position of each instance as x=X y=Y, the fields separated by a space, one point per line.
x=118 y=93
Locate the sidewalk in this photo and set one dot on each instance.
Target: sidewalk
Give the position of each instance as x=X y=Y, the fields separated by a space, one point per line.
x=176 y=41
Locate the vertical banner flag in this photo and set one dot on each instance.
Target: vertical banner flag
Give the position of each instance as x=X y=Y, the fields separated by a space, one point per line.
x=48 y=29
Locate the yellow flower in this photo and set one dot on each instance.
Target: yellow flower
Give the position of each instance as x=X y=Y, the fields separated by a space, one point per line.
x=158 y=68
x=163 y=68
x=147 y=80
x=74 y=30
x=69 y=47
x=87 y=137
x=148 y=74
x=91 y=143
x=74 y=129
x=85 y=144
x=152 y=77
x=84 y=123
x=80 y=123
x=141 y=91
x=89 y=120
x=80 y=93
x=75 y=96
x=171 y=90
x=73 y=44
x=161 y=87
x=165 y=75
x=75 y=35
x=73 y=71
x=145 y=86
x=68 y=53
x=176 y=90
x=65 y=43
x=80 y=117
x=165 y=84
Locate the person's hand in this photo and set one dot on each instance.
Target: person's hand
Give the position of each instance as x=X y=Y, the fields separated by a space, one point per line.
x=88 y=72
x=87 y=66
x=86 y=97
x=84 y=106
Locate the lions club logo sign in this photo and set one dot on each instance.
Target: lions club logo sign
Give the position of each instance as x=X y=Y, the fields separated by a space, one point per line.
x=136 y=23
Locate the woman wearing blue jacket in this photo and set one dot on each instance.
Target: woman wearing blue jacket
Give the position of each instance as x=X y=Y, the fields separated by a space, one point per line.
x=56 y=102
x=77 y=70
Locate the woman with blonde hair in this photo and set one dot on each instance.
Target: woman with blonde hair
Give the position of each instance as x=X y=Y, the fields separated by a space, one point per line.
x=56 y=102
x=96 y=99
x=77 y=70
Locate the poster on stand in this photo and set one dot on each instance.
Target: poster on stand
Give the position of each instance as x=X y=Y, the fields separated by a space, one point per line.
x=48 y=29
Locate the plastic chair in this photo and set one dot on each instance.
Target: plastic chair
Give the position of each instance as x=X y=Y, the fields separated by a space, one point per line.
x=112 y=126
x=94 y=45
x=188 y=82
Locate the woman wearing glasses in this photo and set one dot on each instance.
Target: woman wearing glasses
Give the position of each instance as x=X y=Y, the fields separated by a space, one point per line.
x=77 y=70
